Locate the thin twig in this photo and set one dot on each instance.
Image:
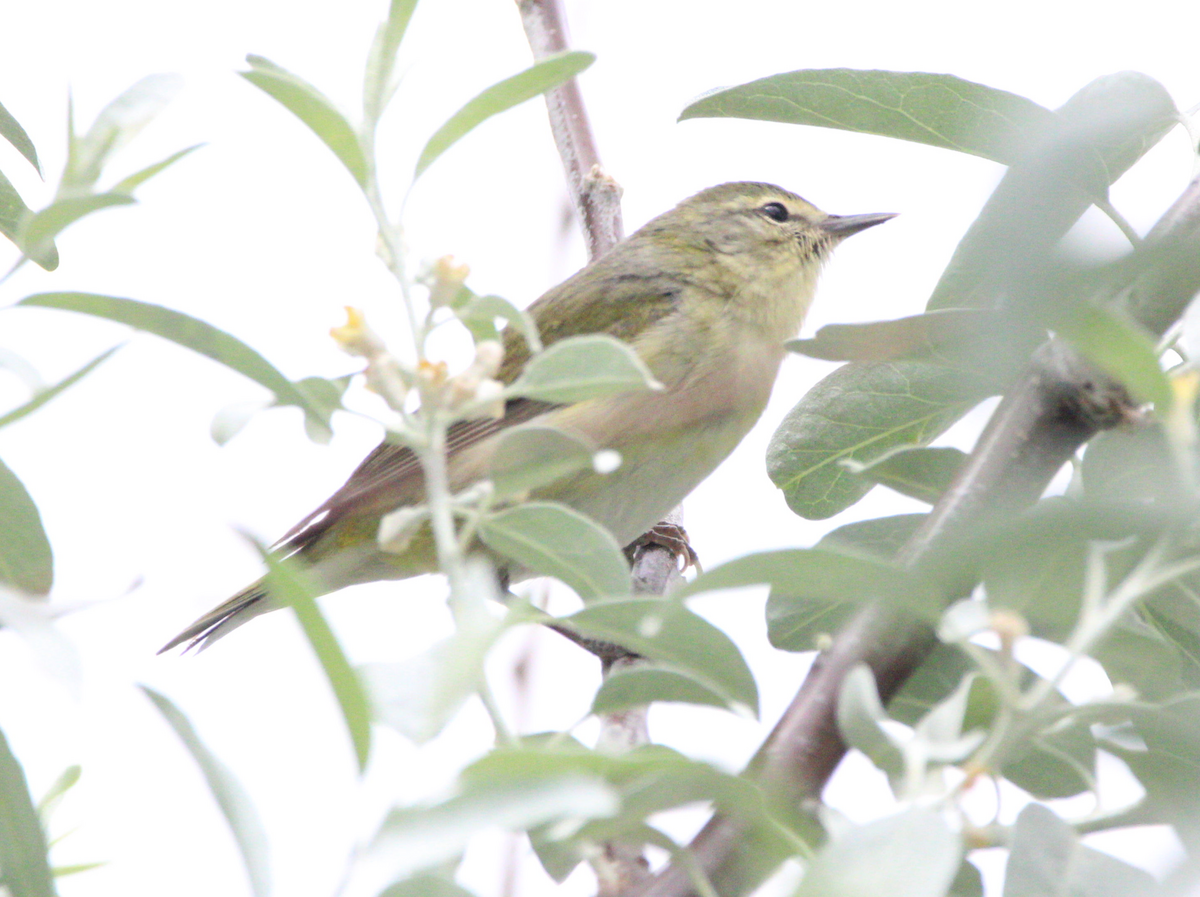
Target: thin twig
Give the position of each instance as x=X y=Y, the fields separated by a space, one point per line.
x=596 y=195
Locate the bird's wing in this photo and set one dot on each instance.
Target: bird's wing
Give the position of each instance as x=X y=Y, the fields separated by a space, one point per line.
x=391 y=475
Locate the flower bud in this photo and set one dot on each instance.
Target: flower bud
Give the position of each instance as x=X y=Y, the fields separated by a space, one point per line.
x=445 y=280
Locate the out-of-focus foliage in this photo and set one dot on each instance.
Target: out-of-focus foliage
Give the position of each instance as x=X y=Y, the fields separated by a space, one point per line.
x=1108 y=571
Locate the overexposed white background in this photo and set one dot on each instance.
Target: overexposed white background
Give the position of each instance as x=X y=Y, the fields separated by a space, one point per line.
x=263 y=233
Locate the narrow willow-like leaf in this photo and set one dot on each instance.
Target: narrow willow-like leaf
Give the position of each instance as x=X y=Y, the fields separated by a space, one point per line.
x=186 y=331
x=26 y=561
x=287 y=583
x=860 y=412
x=45 y=395
x=543 y=75
x=40 y=230
x=22 y=844
x=13 y=215
x=133 y=181
x=11 y=130
x=314 y=109
x=917 y=336
x=243 y=820
x=66 y=780
x=117 y=124
x=940 y=110
x=377 y=83
x=557 y=541
x=584 y=367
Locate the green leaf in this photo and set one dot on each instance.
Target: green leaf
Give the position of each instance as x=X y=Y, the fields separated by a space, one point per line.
x=479 y=314
x=1046 y=858
x=583 y=367
x=314 y=109
x=1132 y=463
x=1142 y=656
x=426 y=886
x=554 y=540
x=529 y=457
x=42 y=396
x=811 y=573
x=117 y=124
x=805 y=624
x=1102 y=130
x=132 y=182
x=189 y=332
x=940 y=110
x=967 y=883
x=13 y=215
x=1166 y=767
x=627 y=687
x=22 y=844
x=935 y=680
x=11 y=130
x=66 y=780
x=667 y=632
x=1120 y=348
x=231 y=798
x=381 y=61
x=914 y=337
x=1060 y=763
x=543 y=75
x=26 y=561
x=881 y=537
x=920 y=473
x=647 y=780
x=37 y=236
x=912 y=854
x=861 y=412
x=289 y=584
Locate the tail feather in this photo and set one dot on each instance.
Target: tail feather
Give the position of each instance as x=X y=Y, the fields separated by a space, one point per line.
x=244 y=606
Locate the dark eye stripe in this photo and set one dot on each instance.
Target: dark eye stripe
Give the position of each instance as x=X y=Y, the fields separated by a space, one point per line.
x=776 y=211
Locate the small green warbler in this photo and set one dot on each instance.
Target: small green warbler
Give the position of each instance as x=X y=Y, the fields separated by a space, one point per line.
x=706 y=294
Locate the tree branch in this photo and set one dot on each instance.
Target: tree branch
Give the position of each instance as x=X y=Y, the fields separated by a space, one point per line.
x=597 y=197
x=597 y=200
x=1056 y=408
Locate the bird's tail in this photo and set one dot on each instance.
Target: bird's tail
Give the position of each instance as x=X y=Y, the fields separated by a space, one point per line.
x=245 y=605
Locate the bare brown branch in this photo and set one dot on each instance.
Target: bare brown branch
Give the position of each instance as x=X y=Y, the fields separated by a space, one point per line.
x=596 y=195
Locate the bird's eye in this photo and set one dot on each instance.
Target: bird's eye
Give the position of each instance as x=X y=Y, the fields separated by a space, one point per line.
x=776 y=211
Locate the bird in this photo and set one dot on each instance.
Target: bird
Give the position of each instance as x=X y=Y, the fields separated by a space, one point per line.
x=706 y=294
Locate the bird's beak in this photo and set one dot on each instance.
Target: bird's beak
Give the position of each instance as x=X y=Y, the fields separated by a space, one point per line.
x=842 y=226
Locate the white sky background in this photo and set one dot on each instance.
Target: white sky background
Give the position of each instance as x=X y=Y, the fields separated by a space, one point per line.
x=263 y=233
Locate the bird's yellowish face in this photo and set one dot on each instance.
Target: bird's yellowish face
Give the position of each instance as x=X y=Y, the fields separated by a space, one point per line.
x=766 y=224
x=756 y=246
